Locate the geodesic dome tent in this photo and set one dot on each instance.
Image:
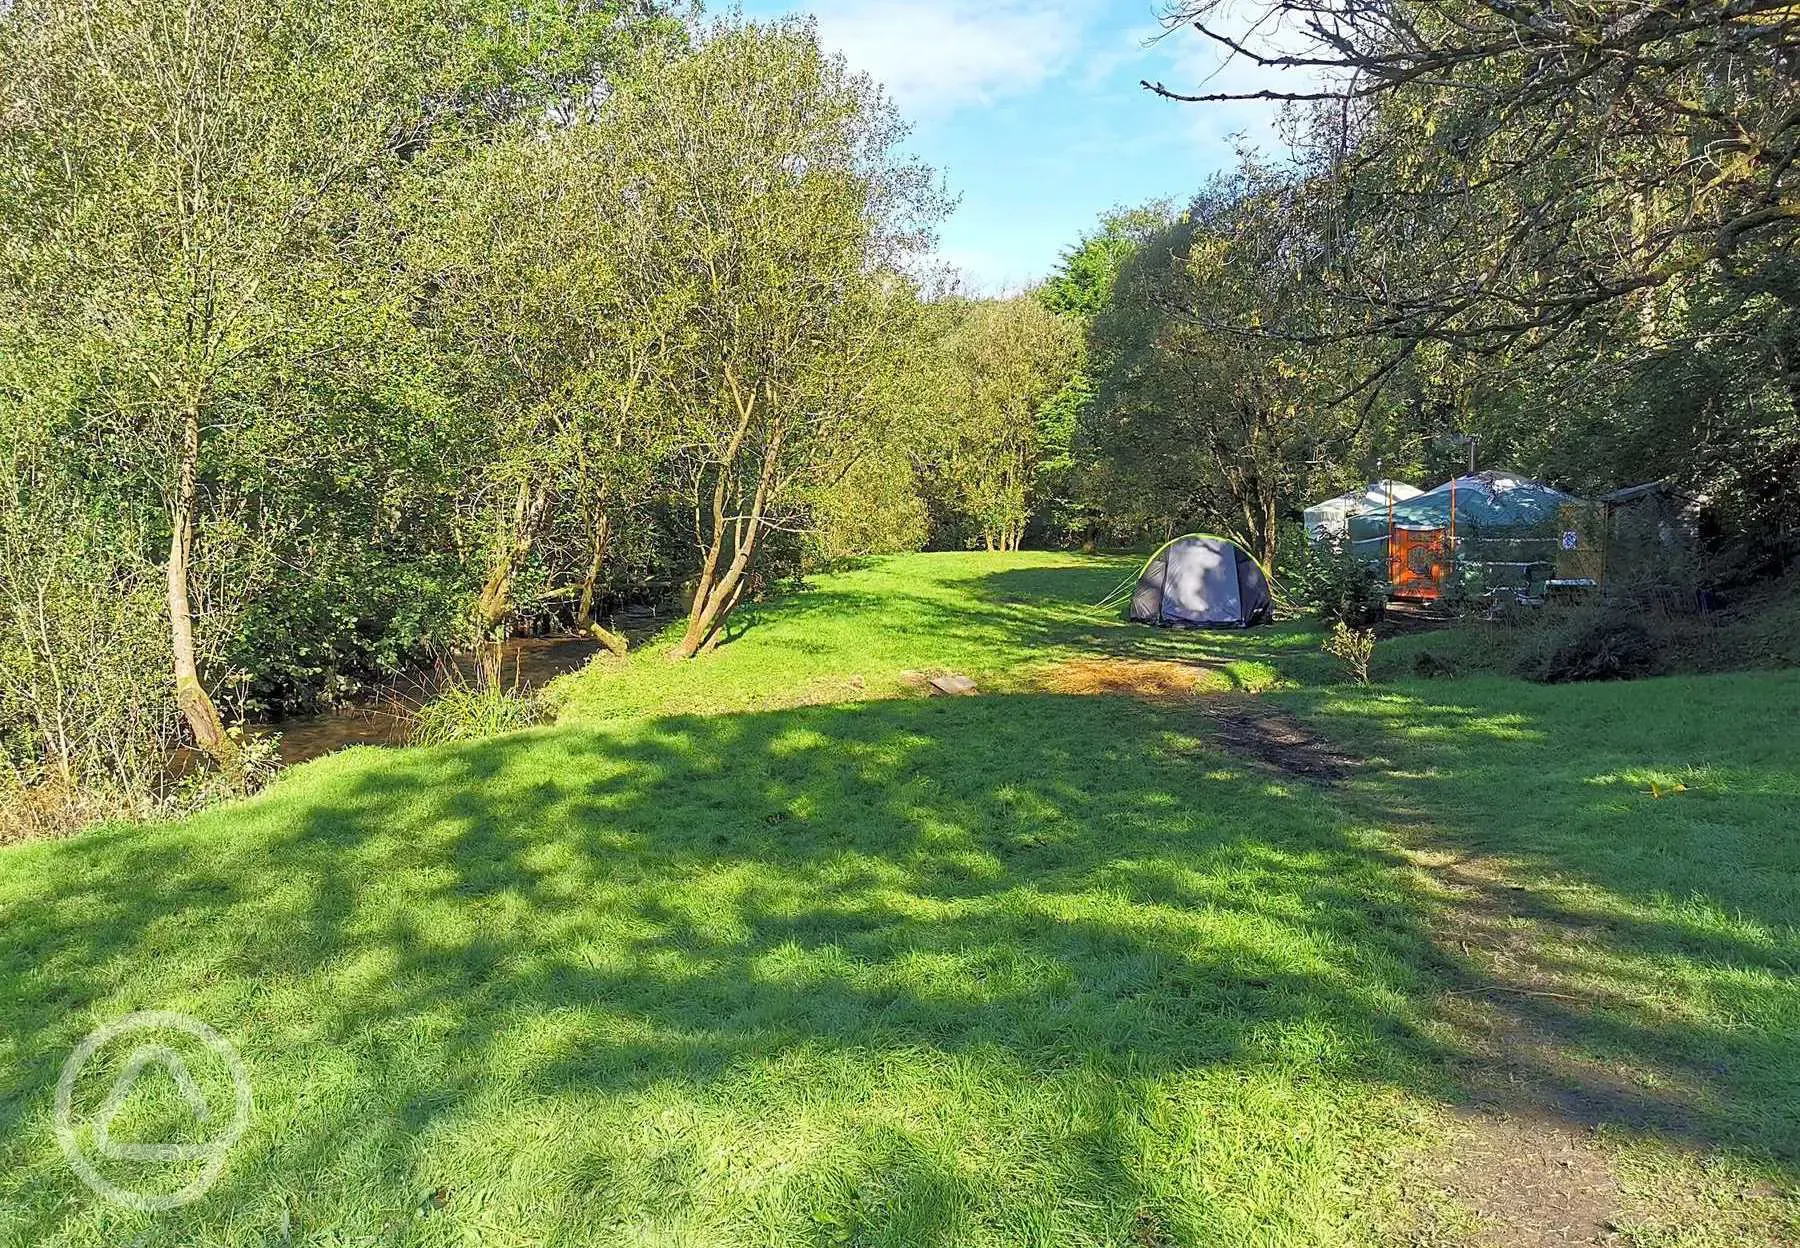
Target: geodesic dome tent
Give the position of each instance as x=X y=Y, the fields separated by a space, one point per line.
x=1200 y=581
x=1330 y=520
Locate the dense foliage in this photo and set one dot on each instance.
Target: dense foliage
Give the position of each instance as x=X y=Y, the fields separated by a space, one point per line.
x=1565 y=235
x=333 y=336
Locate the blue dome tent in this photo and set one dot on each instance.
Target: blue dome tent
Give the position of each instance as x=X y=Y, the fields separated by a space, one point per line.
x=1200 y=581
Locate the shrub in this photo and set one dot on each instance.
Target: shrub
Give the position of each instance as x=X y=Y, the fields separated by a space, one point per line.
x=86 y=691
x=464 y=712
x=1333 y=582
x=1353 y=647
x=1606 y=644
x=358 y=615
x=875 y=509
x=257 y=762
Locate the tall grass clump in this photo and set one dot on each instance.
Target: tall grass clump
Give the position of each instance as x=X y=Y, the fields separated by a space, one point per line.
x=464 y=708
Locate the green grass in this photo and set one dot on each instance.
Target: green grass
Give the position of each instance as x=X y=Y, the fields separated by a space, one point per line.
x=1683 y=901
x=852 y=635
x=718 y=960
x=471 y=713
x=1760 y=630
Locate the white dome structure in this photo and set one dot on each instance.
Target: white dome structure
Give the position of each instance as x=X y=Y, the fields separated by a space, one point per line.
x=1330 y=520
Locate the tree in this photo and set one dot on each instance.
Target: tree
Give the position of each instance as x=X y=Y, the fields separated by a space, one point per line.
x=998 y=368
x=1083 y=283
x=780 y=214
x=1198 y=416
x=1503 y=169
x=1080 y=289
x=1588 y=205
x=521 y=250
x=189 y=208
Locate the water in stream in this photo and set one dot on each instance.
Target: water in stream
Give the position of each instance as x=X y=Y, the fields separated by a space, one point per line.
x=380 y=719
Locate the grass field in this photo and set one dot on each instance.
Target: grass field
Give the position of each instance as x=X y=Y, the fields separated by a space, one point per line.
x=771 y=950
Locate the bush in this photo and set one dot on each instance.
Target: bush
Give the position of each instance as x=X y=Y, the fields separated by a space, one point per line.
x=1338 y=586
x=1353 y=647
x=875 y=509
x=1602 y=645
x=357 y=616
x=86 y=691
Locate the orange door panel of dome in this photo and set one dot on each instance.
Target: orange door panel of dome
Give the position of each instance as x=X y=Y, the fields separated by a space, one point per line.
x=1417 y=563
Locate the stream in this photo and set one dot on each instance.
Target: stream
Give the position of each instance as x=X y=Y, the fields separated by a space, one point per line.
x=379 y=717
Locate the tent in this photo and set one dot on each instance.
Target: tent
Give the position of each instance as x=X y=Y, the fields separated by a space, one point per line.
x=1503 y=526
x=1330 y=520
x=1489 y=501
x=1199 y=581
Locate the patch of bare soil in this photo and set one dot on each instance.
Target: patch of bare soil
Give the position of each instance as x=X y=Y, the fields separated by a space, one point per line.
x=1531 y=1181
x=1277 y=742
x=1526 y=1159
x=1140 y=678
x=1253 y=731
x=1402 y=618
x=1526 y=1021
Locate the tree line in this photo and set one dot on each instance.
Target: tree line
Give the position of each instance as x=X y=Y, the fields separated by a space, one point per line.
x=1566 y=235
x=333 y=335
x=330 y=334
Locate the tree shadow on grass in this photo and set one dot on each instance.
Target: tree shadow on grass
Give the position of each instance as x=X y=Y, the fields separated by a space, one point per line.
x=1007 y=969
x=1631 y=956
x=1033 y=919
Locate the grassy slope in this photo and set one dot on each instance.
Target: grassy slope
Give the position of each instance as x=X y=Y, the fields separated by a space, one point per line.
x=1022 y=969
x=1760 y=631
x=852 y=635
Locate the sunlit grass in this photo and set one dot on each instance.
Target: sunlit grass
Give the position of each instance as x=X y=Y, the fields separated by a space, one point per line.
x=1034 y=970
x=998 y=619
x=708 y=964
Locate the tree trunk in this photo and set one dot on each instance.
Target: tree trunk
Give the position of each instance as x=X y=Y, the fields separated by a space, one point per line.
x=1268 y=538
x=584 y=613
x=716 y=593
x=618 y=643
x=494 y=607
x=714 y=602
x=195 y=704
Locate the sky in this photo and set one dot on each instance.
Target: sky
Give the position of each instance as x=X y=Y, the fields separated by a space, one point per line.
x=1033 y=112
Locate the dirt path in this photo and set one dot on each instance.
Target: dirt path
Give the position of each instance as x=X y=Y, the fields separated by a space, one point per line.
x=1246 y=726
x=1524 y=1167
x=1533 y=1154
x=1276 y=742
x=1524 y=1158
x=1529 y=1180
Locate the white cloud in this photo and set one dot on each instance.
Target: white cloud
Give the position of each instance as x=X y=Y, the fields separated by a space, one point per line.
x=1186 y=61
x=937 y=56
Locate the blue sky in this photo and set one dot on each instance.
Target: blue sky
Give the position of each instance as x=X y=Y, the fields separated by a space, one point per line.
x=1033 y=111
